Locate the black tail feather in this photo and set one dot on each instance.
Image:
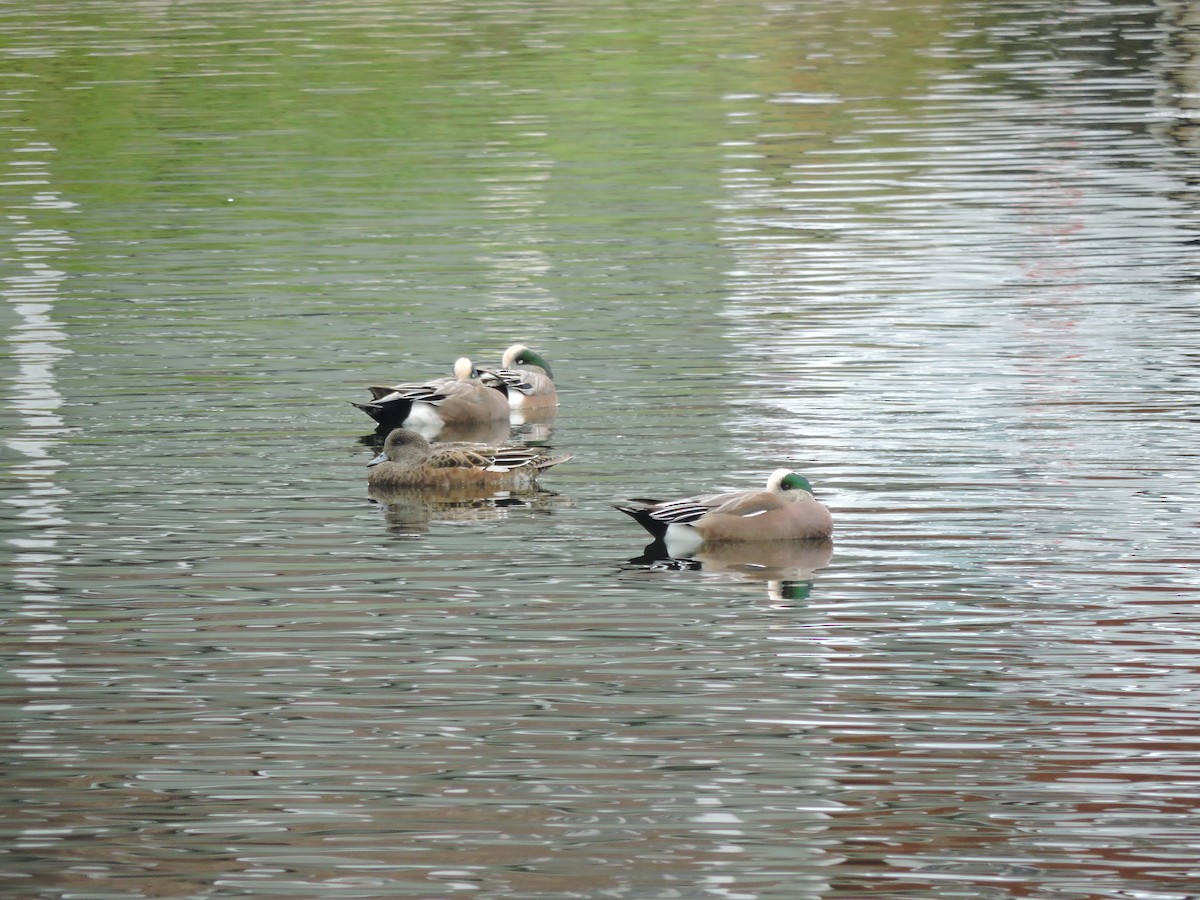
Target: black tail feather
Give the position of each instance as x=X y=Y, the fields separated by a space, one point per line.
x=392 y=413
x=639 y=509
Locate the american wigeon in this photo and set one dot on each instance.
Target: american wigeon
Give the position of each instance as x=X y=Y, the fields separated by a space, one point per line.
x=527 y=378
x=784 y=511
x=463 y=401
x=408 y=460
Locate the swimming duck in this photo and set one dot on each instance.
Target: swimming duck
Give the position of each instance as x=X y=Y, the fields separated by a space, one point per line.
x=463 y=401
x=527 y=378
x=408 y=460
x=784 y=511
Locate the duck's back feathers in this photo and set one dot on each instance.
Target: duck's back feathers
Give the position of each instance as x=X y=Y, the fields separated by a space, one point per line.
x=491 y=459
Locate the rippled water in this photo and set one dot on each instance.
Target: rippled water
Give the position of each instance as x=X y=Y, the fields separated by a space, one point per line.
x=940 y=257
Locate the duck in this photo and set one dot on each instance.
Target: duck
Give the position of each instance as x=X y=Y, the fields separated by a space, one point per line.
x=464 y=401
x=408 y=460
x=527 y=379
x=785 y=510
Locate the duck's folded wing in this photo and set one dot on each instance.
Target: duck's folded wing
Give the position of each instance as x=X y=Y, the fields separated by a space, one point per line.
x=460 y=457
x=482 y=456
x=747 y=504
x=507 y=379
x=410 y=393
x=679 y=512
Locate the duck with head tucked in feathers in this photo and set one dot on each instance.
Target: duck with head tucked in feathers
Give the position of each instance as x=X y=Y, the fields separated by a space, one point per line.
x=785 y=510
x=527 y=378
x=464 y=401
x=408 y=460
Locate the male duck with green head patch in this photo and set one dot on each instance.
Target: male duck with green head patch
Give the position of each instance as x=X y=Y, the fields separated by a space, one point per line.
x=527 y=378
x=785 y=510
x=443 y=404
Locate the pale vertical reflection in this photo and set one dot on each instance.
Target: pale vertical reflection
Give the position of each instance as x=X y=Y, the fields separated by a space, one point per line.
x=36 y=345
x=512 y=198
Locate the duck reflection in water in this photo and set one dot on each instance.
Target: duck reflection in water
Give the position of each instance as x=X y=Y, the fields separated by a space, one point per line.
x=534 y=427
x=410 y=511
x=787 y=567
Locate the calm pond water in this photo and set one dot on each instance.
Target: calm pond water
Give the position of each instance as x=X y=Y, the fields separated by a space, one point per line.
x=938 y=255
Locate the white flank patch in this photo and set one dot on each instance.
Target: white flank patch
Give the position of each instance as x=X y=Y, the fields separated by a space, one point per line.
x=424 y=417
x=682 y=541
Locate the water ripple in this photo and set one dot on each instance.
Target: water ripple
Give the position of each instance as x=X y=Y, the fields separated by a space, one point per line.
x=937 y=259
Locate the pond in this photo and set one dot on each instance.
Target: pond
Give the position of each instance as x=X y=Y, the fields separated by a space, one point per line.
x=936 y=255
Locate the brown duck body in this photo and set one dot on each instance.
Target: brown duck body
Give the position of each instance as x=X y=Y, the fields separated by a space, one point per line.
x=408 y=460
x=461 y=402
x=785 y=511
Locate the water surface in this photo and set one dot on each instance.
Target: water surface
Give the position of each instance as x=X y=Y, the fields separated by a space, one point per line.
x=938 y=256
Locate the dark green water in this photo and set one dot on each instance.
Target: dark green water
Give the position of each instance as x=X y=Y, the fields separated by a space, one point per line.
x=940 y=257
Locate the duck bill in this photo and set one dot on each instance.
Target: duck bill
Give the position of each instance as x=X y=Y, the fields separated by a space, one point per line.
x=381 y=458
